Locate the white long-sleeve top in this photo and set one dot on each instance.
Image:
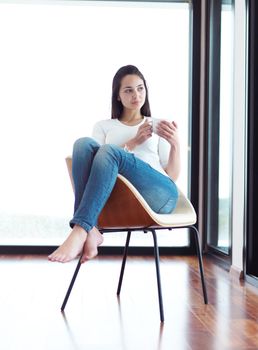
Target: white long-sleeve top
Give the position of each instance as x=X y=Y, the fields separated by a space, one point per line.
x=154 y=151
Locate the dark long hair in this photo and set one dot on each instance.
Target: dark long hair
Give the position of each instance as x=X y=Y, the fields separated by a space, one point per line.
x=117 y=107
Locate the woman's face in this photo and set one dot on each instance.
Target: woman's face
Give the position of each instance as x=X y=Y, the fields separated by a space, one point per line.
x=132 y=92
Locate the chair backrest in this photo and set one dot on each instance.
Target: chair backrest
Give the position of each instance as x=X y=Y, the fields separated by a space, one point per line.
x=126 y=208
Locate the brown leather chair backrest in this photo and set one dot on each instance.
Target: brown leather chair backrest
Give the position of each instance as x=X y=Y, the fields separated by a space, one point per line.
x=123 y=210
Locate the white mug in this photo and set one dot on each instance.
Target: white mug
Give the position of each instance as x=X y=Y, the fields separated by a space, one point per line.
x=154 y=123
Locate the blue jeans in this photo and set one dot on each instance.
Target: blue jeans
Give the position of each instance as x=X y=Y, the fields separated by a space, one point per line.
x=95 y=170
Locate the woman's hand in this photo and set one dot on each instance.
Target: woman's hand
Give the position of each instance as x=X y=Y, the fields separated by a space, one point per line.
x=144 y=132
x=168 y=130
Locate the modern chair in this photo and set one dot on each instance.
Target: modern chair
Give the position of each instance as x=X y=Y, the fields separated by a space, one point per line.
x=138 y=216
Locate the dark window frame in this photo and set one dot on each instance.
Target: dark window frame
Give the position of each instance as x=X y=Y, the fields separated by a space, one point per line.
x=251 y=238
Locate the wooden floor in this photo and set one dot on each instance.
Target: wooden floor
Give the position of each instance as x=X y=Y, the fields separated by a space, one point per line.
x=32 y=290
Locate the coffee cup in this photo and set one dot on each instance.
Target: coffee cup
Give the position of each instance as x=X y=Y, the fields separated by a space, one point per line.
x=155 y=122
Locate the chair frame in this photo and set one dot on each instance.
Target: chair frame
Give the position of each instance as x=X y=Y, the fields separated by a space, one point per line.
x=157 y=262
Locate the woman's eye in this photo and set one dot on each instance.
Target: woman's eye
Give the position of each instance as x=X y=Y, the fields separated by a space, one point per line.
x=140 y=88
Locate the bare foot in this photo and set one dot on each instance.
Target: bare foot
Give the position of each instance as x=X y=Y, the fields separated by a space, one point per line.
x=71 y=247
x=90 y=250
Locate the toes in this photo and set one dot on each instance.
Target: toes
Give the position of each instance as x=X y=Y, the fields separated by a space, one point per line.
x=62 y=256
x=51 y=257
x=58 y=258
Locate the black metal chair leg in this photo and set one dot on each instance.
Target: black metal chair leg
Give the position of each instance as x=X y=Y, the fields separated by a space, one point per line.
x=198 y=250
x=156 y=253
x=71 y=285
x=123 y=263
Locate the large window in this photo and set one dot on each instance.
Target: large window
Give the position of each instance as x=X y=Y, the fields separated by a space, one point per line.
x=56 y=66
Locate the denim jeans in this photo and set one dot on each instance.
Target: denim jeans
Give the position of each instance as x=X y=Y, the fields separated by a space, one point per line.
x=95 y=169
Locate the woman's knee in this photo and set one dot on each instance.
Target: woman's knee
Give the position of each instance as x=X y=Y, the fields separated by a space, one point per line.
x=109 y=149
x=84 y=143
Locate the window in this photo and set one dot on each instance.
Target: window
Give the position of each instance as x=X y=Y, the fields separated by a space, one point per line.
x=220 y=127
x=56 y=65
x=225 y=129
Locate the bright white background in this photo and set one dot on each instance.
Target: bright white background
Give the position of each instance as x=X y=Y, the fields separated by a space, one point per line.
x=57 y=62
x=226 y=126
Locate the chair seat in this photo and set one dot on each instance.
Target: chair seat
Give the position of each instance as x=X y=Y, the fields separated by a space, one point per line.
x=126 y=208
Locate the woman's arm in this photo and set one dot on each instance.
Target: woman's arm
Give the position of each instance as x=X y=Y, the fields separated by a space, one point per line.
x=168 y=131
x=98 y=133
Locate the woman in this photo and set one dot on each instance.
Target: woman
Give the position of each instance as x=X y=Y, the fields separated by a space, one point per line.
x=129 y=144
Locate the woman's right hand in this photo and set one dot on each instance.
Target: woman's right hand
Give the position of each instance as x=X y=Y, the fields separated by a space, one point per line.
x=144 y=132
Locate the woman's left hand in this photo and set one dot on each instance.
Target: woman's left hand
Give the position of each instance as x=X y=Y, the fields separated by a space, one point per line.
x=168 y=130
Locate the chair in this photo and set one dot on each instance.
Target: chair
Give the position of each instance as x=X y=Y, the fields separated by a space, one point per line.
x=139 y=216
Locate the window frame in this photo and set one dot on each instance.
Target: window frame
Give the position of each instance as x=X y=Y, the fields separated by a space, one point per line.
x=251 y=223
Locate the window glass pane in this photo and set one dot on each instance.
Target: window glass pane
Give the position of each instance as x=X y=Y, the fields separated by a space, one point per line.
x=56 y=65
x=225 y=132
